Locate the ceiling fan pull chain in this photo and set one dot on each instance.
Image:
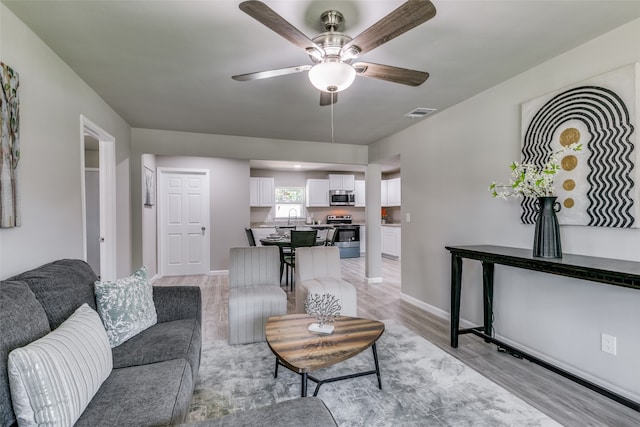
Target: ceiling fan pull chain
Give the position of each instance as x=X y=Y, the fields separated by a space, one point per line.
x=332 y=117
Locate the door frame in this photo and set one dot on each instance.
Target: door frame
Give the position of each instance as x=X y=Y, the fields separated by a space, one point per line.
x=162 y=173
x=107 y=178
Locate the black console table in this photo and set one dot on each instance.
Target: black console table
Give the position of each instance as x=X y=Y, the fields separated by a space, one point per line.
x=603 y=270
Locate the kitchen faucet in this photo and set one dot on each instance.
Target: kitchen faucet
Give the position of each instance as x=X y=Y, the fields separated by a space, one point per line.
x=289 y=218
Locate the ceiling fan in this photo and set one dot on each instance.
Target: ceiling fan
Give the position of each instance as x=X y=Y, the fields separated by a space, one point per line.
x=333 y=52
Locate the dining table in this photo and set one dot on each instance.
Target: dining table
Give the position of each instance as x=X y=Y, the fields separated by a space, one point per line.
x=285 y=241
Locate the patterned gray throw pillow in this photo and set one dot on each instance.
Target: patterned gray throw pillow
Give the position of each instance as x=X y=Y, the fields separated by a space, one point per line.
x=126 y=306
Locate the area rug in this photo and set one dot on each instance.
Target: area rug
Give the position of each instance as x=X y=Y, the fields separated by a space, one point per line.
x=421 y=386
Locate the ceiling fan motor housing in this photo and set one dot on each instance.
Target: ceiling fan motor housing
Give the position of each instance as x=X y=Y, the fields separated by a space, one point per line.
x=331 y=20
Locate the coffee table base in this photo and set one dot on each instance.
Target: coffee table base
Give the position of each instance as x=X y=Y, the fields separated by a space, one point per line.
x=305 y=376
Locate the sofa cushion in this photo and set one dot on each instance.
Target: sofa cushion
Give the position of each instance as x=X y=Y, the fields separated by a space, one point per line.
x=22 y=320
x=53 y=378
x=290 y=413
x=180 y=339
x=61 y=287
x=126 y=306
x=177 y=302
x=158 y=394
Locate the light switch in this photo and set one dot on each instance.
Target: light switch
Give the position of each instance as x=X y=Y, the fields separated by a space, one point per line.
x=407 y=217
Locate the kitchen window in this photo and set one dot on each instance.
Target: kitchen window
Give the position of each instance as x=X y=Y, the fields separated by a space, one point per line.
x=289 y=202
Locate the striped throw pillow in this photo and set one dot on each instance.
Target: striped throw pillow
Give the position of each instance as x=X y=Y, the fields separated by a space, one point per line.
x=53 y=379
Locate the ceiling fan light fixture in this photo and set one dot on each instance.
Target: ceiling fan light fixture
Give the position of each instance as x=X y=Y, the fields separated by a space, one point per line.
x=332 y=76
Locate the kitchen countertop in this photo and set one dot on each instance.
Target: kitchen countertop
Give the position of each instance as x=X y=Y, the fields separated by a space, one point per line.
x=323 y=225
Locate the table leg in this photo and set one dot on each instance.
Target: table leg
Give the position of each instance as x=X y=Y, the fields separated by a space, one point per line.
x=456 y=287
x=375 y=360
x=281 y=262
x=275 y=375
x=304 y=384
x=487 y=291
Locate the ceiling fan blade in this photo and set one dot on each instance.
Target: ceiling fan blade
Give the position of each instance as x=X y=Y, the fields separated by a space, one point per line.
x=271 y=73
x=266 y=16
x=409 y=15
x=389 y=73
x=327 y=98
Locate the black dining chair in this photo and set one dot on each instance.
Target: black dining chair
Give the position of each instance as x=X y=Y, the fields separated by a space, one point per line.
x=299 y=239
x=250 y=237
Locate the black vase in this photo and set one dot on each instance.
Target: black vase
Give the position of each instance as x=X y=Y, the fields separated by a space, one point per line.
x=546 y=241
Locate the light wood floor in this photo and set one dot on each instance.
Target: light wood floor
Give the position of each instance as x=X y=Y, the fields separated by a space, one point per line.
x=565 y=401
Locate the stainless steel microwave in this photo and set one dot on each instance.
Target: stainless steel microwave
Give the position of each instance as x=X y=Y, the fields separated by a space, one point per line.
x=342 y=198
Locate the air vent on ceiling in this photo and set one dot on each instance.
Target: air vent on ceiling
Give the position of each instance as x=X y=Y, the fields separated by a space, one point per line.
x=419 y=113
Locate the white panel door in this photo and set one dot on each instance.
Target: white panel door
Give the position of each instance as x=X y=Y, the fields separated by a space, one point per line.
x=184 y=223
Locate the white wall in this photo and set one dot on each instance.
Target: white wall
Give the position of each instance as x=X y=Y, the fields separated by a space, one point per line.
x=196 y=145
x=52 y=98
x=448 y=161
x=229 y=202
x=149 y=221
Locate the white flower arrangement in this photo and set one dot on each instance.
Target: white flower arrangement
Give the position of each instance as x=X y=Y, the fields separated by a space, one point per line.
x=529 y=180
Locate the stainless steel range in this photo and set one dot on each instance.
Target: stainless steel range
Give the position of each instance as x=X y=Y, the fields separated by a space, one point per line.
x=347 y=235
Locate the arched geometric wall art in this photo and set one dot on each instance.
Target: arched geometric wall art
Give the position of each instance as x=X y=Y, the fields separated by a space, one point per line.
x=599 y=185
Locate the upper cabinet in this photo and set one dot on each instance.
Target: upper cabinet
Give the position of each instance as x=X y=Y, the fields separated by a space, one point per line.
x=262 y=192
x=383 y=193
x=390 y=192
x=393 y=192
x=317 y=193
x=360 y=194
x=342 y=182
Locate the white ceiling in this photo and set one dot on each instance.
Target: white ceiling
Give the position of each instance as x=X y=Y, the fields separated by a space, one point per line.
x=168 y=64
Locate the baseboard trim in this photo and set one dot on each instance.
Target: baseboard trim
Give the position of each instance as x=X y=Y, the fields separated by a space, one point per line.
x=572 y=369
x=434 y=310
x=218 y=272
x=569 y=368
x=371 y=280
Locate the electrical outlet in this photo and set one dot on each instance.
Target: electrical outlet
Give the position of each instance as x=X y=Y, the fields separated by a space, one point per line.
x=608 y=344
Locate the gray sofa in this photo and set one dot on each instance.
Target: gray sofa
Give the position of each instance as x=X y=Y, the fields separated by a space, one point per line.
x=154 y=372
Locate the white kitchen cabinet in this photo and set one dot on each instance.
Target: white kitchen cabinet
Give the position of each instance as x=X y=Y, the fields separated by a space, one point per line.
x=360 y=194
x=384 y=193
x=262 y=192
x=363 y=240
x=393 y=192
x=342 y=182
x=391 y=241
x=317 y=193
x=390 y=192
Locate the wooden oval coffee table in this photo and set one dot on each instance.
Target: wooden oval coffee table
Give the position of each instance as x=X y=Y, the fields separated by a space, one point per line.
x=302 y=351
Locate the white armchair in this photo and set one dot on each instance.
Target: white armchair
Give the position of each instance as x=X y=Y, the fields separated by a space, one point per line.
x=255 y=293
x=318 y=271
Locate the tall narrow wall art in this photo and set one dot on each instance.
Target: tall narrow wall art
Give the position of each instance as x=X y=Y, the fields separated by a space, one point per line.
x=9 y=148
x=600 y=185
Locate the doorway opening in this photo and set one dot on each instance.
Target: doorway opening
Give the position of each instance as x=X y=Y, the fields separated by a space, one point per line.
x=99 y=210
x=391 y=214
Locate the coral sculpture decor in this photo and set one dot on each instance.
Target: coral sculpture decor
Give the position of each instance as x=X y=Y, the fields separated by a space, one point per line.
x=325 y=308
